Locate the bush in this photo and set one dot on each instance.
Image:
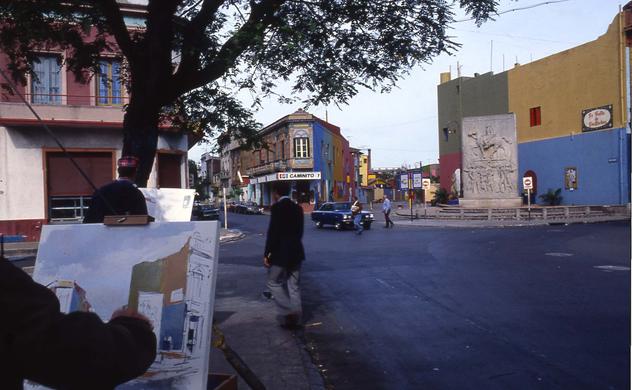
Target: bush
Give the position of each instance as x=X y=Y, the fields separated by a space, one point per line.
x=552 y=198
x=440 y=196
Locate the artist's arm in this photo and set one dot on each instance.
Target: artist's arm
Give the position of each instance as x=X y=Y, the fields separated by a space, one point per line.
x=77 y=350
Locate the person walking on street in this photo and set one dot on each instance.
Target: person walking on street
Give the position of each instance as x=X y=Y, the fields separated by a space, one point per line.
x=284 y=254
x=386 y=209
x=356 y=212
x=120 y=197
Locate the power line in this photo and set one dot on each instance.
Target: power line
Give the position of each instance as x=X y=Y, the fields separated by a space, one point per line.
x=517 y=37
x=518 y=9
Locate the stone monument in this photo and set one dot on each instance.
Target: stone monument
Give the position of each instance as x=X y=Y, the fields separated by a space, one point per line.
x=490 y=162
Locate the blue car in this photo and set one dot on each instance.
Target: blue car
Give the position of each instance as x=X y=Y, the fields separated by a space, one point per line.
x=339 y=215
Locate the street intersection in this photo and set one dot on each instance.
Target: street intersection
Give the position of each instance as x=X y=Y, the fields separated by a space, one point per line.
x=452 y=308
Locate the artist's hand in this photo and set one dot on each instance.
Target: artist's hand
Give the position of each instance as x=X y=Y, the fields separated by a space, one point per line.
x=266 y=262
x=127 y=312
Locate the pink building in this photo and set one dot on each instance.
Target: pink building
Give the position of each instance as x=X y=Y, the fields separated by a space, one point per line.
x=38 y=184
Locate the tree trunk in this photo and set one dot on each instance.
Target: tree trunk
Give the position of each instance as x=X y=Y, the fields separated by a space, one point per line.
x=140 y=136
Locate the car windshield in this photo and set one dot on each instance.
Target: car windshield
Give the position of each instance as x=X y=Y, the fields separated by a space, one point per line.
x=342 y=206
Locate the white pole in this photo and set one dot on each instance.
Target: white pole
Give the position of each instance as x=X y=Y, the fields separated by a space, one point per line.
x=225 y=209
x=529 y=202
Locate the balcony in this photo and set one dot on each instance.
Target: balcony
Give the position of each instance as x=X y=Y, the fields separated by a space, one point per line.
x=274 y=166
x=67 y=115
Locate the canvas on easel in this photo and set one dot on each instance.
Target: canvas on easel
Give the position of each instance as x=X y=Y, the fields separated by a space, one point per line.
x=169 y=204
x=165 y=271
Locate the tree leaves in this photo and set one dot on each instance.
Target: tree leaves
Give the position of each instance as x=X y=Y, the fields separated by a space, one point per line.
x=325 y=50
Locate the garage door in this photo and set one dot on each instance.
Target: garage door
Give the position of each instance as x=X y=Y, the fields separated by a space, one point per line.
x=68 y=192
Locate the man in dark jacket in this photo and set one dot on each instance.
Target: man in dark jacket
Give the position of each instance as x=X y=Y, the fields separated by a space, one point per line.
x=284 y=254
x=121 y=197
x=66 y=351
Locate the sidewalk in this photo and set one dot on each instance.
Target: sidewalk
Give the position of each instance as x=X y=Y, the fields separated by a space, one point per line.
x=442 y=223
x=248 y=321
x=434 y=219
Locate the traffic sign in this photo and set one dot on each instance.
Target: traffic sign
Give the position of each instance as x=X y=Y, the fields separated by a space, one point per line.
x=527 y=183
x=425 y=184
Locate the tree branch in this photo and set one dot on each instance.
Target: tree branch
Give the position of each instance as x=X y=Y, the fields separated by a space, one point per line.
x=115 y=20
x=260 y=18
x=193 y=34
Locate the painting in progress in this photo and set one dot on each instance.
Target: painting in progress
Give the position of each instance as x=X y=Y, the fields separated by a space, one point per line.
x=165 y=271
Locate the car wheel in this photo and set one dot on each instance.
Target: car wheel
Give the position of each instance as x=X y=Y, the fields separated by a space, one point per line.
x=338 y=225
x=319 y=224
x=367 y=226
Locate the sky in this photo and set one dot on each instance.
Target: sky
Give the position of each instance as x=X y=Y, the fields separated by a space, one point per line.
x=400 y=127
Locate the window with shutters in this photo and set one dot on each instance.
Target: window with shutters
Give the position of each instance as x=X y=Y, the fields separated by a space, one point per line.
x=109 y=83
x=46 y=80
x=301 y=147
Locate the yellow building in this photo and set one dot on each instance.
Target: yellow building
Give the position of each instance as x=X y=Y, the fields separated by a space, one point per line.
x=571 y=113
x=563 y=85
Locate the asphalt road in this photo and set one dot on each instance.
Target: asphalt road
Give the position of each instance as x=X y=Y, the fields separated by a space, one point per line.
x=417 y=308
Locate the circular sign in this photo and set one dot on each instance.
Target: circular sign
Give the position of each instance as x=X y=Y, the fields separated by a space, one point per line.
x=597 y=118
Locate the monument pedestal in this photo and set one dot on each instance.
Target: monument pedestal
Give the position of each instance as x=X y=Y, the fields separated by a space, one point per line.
x=491 y=203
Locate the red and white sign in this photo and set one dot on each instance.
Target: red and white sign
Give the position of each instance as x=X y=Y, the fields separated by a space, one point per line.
x=298 y=176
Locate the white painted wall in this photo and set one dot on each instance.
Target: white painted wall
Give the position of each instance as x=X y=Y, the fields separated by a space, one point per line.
x=22 y=194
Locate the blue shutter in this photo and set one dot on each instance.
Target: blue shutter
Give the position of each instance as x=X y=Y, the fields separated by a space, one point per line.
x=55 y=81
x=116 y=82
x=40 y=81
x=103 y=83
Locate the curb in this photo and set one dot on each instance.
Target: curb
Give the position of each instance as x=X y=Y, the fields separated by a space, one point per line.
x=442 y=223
x=230 y=236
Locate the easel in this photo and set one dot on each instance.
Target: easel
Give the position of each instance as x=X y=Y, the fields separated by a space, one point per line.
x=127 y=220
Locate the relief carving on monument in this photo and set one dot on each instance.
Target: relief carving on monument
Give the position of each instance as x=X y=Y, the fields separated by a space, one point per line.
x=489 y=161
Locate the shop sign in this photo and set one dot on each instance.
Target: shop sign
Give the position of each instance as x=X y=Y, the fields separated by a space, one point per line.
x=298 y=176
x=425 y=184
x=597 y=118
x=404 y=182
x=417 y=180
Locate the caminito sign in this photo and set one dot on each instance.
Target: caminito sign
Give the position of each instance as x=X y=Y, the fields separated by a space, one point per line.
x=298 y=176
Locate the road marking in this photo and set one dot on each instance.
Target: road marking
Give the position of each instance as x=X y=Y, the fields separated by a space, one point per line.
x=384 y=283
x=610 y=268
x=559 y=254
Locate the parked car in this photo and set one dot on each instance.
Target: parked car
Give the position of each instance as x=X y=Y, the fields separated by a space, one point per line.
x=232 y=205
x=249 y=208
x=339 y=215
x=205 y=212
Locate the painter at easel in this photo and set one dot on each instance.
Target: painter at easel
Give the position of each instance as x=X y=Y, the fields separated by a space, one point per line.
x=120 y=197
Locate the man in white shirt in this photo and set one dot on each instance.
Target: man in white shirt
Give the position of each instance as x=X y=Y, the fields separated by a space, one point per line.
x=386 y=209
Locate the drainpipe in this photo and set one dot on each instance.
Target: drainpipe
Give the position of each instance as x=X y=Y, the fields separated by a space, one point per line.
x=624 y=78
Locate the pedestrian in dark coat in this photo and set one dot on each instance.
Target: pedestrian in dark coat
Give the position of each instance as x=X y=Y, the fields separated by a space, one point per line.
x=284 y=254
x=121 y=197
x=66 y=351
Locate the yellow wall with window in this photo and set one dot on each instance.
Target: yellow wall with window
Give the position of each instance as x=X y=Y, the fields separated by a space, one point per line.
x=562 y=85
